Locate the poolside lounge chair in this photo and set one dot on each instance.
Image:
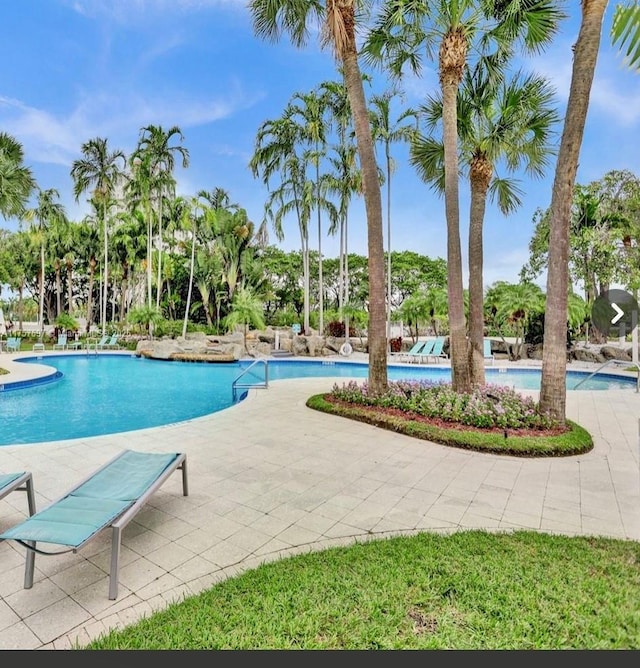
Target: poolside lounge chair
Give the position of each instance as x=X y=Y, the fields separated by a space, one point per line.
x=22 y=482
x=13 y=344
x=437 y=352
x=488 y=355
x=110 y=497
x=100 y=344
x=112 y=342
x=423 y=354
x=405 y=356
x=61 y=343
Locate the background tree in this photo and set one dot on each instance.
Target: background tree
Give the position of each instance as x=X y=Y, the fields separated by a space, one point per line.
x=338 y=20
x=16 y=180
x=101 y=170
x=43 y=216
x=386 y=131
x=246 y=310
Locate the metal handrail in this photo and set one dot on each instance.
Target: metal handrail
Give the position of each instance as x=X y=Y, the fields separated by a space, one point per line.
x=258 y=385
x=611 y=361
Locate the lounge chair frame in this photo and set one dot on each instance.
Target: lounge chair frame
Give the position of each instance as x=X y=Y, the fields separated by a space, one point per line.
x=117 y=524
x=22 y=483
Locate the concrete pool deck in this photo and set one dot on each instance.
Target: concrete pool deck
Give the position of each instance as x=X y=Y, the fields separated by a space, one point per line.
x=270 y=477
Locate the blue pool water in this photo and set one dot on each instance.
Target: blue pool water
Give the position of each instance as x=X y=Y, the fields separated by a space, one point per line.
x=93 y=395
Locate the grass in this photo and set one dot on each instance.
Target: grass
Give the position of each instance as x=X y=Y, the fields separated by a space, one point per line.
x=466 y=590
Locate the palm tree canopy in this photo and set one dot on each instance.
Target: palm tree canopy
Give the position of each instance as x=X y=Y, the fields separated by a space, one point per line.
x=16 y=180
x=625 y=32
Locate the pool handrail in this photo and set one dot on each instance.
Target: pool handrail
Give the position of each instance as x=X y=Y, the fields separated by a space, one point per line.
x=259 y=385
x=605 y=364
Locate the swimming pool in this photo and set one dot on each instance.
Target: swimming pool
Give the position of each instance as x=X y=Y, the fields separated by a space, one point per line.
x=92 y=395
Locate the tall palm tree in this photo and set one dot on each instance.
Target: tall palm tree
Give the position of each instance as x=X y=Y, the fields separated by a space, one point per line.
x=308 y=110
x=41 y=217
x=387 y=132
x=339 y=19
x=155 y=149
x=190 y=221
x=89 y=247
x=401 y=35
x=276 y=152
x=346 y=179
x=16 y=180
x=344 y=182
x=506 y=123
x=553 y=388
x=102 y=171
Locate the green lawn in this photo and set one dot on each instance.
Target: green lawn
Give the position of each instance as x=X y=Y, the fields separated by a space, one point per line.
x=466 y=590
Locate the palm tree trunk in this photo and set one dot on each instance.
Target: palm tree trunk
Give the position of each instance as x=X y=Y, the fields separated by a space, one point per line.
x=92 y=273
x=553 y=389
x=377 y=339
x=457 y=327
x=106 y=271
x=476 y=288
x=41 y=295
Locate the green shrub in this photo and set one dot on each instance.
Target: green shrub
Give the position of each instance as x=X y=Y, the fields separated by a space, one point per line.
x=488 y=407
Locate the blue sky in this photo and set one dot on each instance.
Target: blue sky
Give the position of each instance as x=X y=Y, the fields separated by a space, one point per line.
x=79 y=69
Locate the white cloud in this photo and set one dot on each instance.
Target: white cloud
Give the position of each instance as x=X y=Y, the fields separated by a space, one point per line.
x=56 y=139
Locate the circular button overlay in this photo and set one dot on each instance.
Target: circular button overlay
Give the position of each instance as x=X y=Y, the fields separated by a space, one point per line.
x=615 y=312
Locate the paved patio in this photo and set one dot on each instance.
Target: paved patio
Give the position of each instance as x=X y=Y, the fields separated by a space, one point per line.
x=270 y=477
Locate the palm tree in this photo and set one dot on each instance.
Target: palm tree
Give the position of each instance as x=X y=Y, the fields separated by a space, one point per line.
x=401 y=35
x=275 y=151
x=16 y=180
x=44 y=215
x=514 y=304
x=387 y=132
x=89 y=247
x=155 y=150
x=339 y=20
x=308 y=111
x=625 y=32
x=509 y=122
x=246 y=309
x=346 y=179
x=553 y=388
x=101 y=170
x=189 y=220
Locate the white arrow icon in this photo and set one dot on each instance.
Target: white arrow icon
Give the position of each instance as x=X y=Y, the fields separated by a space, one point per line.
x=618 y=311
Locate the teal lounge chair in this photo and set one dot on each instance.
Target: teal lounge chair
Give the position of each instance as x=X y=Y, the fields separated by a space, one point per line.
x=406 y=355
x=13 y=344
x=101 y=344
x=488 y=355
x=423 y=354
x=110 y=497
x=61 y=343
x=112 y=342
x=437 y=352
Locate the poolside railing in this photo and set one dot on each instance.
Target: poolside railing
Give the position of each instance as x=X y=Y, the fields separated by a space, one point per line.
x=262 y=384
